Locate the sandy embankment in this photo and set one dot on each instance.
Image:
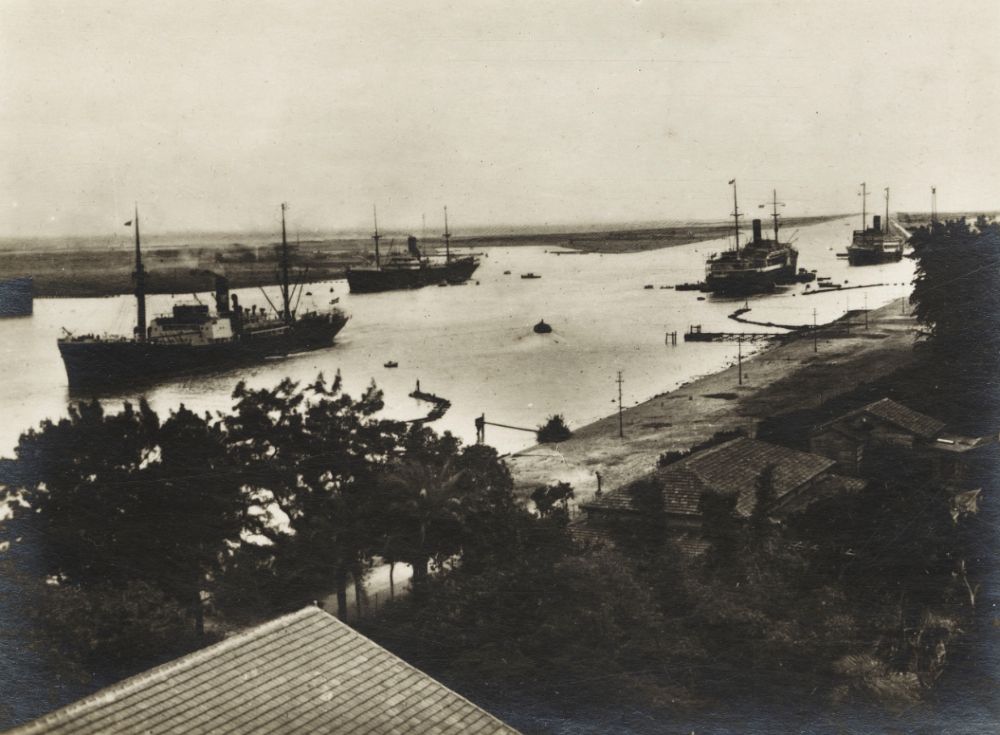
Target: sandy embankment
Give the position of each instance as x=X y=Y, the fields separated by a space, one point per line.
x=782 y=378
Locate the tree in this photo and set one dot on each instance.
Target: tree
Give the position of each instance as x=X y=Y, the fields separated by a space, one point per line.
x=310 y=459
x=125 y=513
x=553 y=430
x=554 y=498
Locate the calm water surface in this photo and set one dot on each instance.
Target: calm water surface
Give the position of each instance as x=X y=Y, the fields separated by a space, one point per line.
x=474 y=344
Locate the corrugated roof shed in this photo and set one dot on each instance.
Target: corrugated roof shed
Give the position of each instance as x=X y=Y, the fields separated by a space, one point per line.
x=302 y=673
x=729 y=468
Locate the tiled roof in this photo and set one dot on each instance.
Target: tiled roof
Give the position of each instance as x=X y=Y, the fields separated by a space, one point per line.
x=905 y=418
x=731 y=468
x=302 y=673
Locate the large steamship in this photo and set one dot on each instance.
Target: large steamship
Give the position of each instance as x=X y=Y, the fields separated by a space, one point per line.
x=192 y=340
x=758 y=266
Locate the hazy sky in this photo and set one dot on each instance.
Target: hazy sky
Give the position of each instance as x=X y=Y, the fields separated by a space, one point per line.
x=211 y=113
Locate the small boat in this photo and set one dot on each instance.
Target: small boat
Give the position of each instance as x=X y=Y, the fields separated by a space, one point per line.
x=648 y=286
x=506 y=273
x=542 y=327
x=530 y=275
x=391 y=364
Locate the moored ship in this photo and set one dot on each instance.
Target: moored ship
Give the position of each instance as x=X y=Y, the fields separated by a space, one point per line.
x=192 y=340
x=873 y=245
x=758 y=266
x=411 y=269
x=17 y=296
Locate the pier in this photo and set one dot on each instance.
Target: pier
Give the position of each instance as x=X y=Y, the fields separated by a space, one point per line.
x=439 y=409
x=695 y=334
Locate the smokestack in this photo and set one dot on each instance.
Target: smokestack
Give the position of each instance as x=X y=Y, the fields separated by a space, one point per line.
x=222 y=295
x=756 y=230
x=877 y=223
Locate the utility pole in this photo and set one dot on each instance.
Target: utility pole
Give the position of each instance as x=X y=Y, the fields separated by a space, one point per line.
x=621 y=425
x=739 y=359
x=933 y=205
x=815 y=343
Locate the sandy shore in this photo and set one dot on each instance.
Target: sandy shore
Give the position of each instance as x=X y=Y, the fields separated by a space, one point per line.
x=782 y=378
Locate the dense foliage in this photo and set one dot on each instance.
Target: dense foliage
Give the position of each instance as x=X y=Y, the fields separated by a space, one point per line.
x=553 y=430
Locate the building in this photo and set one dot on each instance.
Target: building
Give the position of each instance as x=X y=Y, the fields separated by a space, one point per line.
x=731 y=468
x=883 y=430
x=302 y=673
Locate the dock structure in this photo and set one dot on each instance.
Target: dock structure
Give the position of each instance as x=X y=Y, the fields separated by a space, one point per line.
x=440 y=405
x=696 y=334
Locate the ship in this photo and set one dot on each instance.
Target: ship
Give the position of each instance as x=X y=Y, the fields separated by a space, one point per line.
x=758 y=266
x=192 y=340
x=17 y=296
x=872 y=245
x=411 y=269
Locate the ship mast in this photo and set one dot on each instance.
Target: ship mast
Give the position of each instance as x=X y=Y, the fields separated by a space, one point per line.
x=376 y=237
x=774 y=211
x=286 y=313
x=887 y=210
x=736 y=217
x=140 y=285
x=864 y=213
x=447 y=238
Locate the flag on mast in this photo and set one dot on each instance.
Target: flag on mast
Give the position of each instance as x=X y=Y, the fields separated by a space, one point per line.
x=129 y=223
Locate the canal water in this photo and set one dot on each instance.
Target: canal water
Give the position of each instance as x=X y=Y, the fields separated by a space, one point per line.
x=474 y=344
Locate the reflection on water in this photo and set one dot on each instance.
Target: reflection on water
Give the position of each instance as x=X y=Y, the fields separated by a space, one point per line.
x=474 y=344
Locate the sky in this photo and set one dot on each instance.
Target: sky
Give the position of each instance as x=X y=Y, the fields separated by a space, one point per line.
x=209 y=114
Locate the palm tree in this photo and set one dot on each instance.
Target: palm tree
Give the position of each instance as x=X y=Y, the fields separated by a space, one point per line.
x=425 y=513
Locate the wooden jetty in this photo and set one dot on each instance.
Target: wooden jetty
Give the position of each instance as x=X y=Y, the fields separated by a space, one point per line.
x=695 y=334
x=440 y=405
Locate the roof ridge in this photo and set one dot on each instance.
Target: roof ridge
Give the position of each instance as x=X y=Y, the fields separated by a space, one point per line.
x=158 y=673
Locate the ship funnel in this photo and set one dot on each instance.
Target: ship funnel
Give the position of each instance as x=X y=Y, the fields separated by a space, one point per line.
x=877 y=222
x=411 y=244
x=222 y=294
x=756 y=230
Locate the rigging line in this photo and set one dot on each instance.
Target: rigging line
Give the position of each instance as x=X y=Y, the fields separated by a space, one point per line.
x=270 y=303
x=301 y=288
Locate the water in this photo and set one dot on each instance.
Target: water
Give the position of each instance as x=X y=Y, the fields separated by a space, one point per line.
x=474 y=344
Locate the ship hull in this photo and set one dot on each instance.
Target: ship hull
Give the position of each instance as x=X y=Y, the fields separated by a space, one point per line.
x=870 y=256
x=750 y=282
x=17 y=297
x=372 y=280
x=105 y=364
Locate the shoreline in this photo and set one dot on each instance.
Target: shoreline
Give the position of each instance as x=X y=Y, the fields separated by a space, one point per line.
x=783 y=377
x=104 y=272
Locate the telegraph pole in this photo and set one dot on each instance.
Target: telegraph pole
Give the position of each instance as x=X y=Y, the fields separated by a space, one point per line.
x=815 y=343
x=621 y=425
x=739 y=359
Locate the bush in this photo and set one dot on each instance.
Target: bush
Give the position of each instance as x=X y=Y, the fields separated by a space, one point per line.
x=554 y=430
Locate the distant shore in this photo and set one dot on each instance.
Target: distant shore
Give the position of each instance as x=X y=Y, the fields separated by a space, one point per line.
x=786 y=377
x=96 y=272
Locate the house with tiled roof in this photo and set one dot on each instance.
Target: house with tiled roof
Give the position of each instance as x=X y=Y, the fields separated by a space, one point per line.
x=885 y=428
x=732 y=468
x=302 y=673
